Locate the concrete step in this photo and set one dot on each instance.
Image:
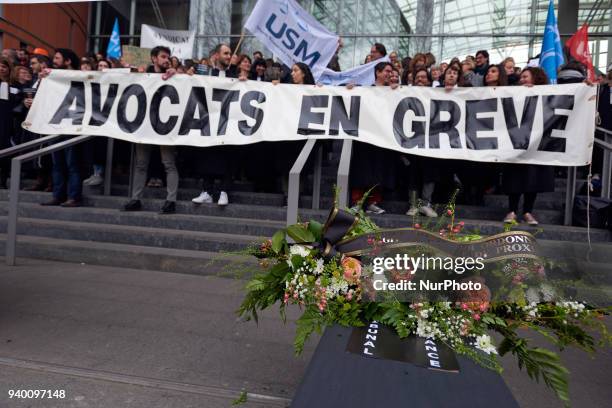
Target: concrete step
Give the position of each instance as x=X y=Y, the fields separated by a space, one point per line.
x=131 y=235
x=275 y=213
x=133 y=256
x=277 y=201
x=241 y=226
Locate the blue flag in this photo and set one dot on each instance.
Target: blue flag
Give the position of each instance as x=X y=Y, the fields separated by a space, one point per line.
x=114 y=44
x=551 y=56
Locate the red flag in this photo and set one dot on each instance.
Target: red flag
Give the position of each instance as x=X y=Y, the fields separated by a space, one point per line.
x=578 y=46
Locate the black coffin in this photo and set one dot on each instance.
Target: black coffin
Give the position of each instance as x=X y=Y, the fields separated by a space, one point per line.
x=336 y=378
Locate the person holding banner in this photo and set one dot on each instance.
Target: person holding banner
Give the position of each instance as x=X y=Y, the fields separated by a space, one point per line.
x=217 y=163
x=373 y=166
x=160 y=57
x=66 y=169
x=423 y=171
x=527 y=179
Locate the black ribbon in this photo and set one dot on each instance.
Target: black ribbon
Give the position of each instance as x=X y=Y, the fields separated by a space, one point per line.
x=338 y=224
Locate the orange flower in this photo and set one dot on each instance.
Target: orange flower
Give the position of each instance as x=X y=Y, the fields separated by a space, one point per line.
x=352 y=268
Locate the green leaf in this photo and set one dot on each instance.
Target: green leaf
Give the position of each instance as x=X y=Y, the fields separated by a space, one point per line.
x=242 y=398
x=278 y=239
x=300 y=233
x=316 y=228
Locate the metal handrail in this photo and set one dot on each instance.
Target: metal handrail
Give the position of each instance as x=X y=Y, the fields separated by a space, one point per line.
x=293 y=196
x=342 y=181
x=606 y=171
x=24 y=146
x=11 y=234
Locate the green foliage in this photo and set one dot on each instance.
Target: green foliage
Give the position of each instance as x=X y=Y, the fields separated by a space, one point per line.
x=311 y=321
x=263 y=291
x=242 y=399
x=278 y=240
x=300 y=233
x=316 y=228
x=538 y=362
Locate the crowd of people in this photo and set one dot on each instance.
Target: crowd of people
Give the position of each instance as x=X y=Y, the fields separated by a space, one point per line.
x=21 y=72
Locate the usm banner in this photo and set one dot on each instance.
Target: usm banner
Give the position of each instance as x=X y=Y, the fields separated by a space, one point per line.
x=551 y=125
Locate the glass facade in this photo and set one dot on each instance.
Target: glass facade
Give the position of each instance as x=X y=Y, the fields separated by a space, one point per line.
x=407 y=26
x=504 y=17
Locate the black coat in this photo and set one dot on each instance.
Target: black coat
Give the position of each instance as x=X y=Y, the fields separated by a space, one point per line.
x=528 y=178
x=7 y=116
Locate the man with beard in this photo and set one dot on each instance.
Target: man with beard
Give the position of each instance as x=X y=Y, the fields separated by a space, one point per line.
x=216 y=163
x=66 y=170
x=223 y=58
x=160 y=58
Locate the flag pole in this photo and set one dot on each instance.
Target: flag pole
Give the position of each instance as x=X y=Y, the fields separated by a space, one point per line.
x=239 y=43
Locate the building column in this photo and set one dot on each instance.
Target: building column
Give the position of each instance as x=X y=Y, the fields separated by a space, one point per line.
x=424 y=25
x=567 y=18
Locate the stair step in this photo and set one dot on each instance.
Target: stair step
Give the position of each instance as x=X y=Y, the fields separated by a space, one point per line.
x=278 y=214
x=269 y=206
x=243 y=226
x=133 y=256
x=132 y=235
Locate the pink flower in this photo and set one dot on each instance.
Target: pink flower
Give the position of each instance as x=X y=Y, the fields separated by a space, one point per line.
x=449 y=212
x=417 y=226
x=476 y=316
x=352 y=268
x=464 y=306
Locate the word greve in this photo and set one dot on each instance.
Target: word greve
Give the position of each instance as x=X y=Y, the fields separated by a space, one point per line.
x=403 y=262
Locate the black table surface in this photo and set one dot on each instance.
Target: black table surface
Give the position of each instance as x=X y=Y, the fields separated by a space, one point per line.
x=336 y=378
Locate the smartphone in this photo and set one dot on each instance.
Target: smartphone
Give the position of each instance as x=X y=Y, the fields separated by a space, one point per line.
x=29 y=93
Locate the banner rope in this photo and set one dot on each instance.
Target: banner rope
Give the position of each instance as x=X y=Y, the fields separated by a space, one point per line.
x=590 y=177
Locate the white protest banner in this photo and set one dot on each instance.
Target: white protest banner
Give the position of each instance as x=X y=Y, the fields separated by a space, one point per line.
x=179 y=42
x=361 y=75
x=292 y=34
x=551 y=124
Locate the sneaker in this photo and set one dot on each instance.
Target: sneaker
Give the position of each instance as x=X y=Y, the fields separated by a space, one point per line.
x=168 y=208
x=94 y=180
x=374 y=209
x=530 y=219
x=223 y=200
x=133 y=205
x=87 y=180
x=203 y=198
x=428 y=211
x=510 y=218
x=413 y=211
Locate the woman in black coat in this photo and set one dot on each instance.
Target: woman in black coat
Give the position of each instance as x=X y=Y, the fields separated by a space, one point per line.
x=527 y=179
x=9 y=98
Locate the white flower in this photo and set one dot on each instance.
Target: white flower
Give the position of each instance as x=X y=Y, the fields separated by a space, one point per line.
x=548 y=292
x=532 y=295
x=300 y=250
x=484 y=343
x=319 y=268
x=426 y=329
